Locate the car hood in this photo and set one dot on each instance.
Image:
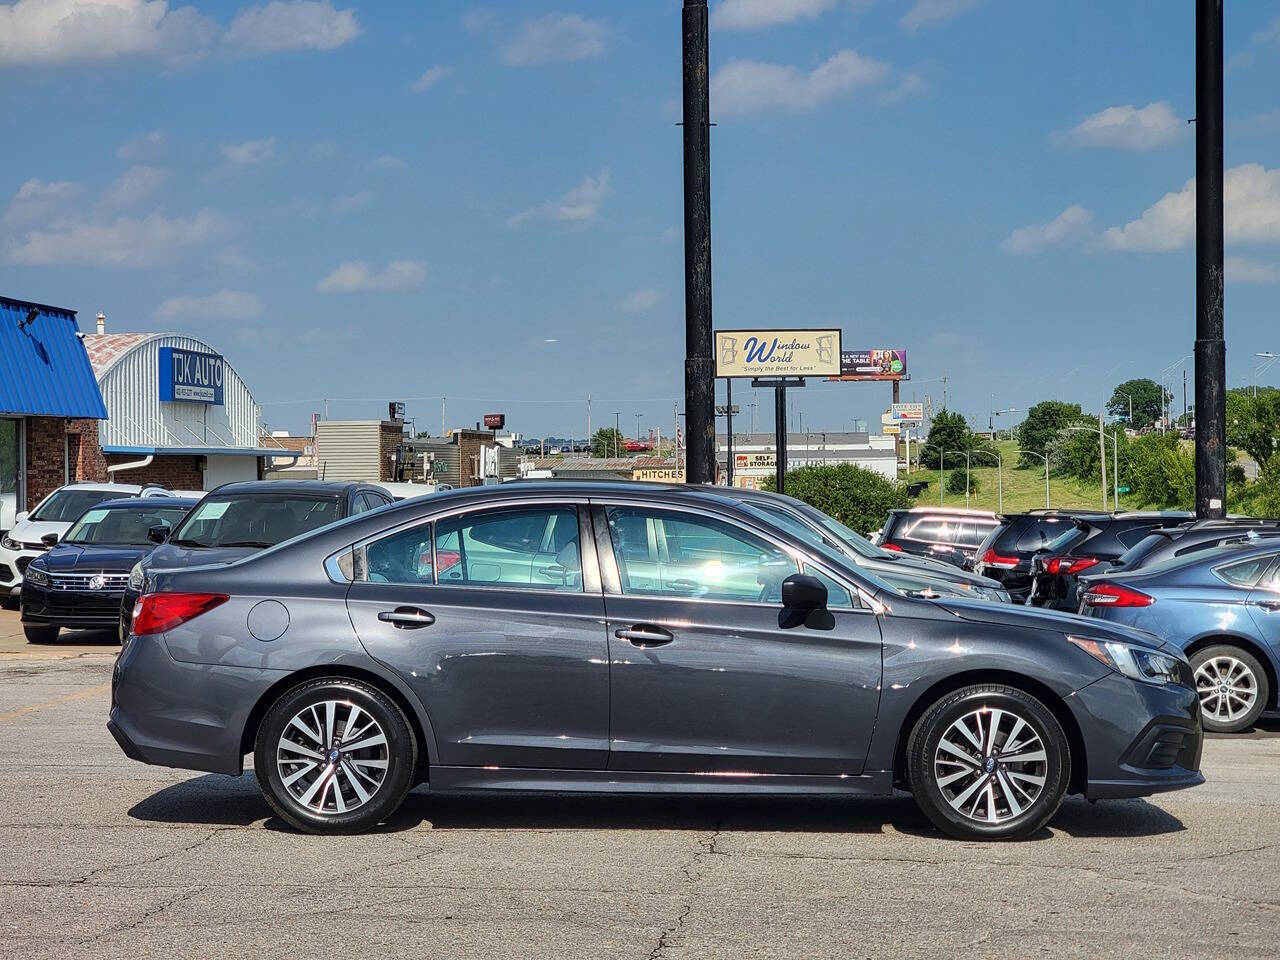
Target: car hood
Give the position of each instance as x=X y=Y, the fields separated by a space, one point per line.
x=922 y=563
x=933 y=570
x=30 y=531
x=170 y=557
x=1035 y=618
x=69 y=557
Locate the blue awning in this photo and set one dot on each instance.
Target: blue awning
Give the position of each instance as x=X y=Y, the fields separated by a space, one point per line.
x=44 y=369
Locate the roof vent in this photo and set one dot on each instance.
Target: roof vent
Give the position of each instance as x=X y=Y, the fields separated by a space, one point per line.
x=102 y=323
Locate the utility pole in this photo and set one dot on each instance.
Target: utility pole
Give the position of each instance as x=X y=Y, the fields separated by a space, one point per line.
x=617 y=432
x=699 y=363
x=1211 y=346
x=1102 y=446
x=589 y=450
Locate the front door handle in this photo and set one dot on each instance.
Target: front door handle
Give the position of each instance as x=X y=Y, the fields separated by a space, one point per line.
x=407 y=618
x=1267 y=604
x=645 y=635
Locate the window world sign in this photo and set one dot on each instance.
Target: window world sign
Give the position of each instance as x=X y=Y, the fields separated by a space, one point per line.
x=777 y=353
x=191 y=375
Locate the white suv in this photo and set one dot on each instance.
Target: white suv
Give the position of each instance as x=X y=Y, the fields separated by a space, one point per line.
x=54 y=514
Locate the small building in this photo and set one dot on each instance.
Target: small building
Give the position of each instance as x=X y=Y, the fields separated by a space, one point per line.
x=50 y=405
x=178 y=413
x=755 y=459
x=358 y=449
x=379 y=450
x=650 y=469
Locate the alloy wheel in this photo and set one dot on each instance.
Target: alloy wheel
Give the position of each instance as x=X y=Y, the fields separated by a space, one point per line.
x=332 y=757
x=990 y=765
x=1227 y=687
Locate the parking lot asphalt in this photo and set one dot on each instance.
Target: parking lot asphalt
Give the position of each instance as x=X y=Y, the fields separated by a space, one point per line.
x=104 y=857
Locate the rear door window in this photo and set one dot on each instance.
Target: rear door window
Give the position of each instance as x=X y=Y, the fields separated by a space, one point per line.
x=934 y=530
x=535 y=547
x=1245 y=573
x=972 y=533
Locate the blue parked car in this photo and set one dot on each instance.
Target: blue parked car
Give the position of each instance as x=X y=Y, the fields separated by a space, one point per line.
x=1221 y=608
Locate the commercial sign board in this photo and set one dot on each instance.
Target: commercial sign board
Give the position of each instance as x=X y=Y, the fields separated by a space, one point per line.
x=754 y=461
x=907 y=412
x=778 y=353
x=395 y=410
x=660 y=475
x=892 y=429
x=873 y=364
x=191 y=375
x=495 y=421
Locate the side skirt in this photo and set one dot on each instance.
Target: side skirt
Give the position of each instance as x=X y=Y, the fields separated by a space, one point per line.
x=446 y=778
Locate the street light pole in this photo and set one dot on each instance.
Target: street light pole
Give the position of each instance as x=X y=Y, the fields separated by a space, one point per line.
x=999 y=478
x=1045 y=458
x=1268 y=359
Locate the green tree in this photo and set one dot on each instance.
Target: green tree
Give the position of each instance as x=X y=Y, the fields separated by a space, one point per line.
x=1253 y=423
x=608 y=442
x=949 y=432
x=1161 y=472
x=1042 y=425
x=1148 y=399
x=956 y=482
x=1261 y=498
x=858 y=498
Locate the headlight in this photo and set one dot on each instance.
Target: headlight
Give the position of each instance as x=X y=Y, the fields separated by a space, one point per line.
x=9 y=544
x=37 y=576
x=137 y=578
x=1137 y=663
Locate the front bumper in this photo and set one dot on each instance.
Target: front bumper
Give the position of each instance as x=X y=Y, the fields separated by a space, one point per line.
x=70 y=608
x=1140 y=738
x=13 y=564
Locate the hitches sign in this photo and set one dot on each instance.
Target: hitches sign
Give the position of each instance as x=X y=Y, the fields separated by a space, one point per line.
x=777 y=353
x=191 y=375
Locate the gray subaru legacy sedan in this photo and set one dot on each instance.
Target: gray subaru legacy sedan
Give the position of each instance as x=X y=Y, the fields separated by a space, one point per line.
x=631 y=637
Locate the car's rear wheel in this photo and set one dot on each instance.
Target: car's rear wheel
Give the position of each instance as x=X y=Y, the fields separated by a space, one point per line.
x=1233 y=688
x=988 y=762
x=40 y=634
x=335 y=756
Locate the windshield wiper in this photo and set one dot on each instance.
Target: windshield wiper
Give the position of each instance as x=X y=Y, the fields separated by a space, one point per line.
x=188 y=543
x=248 y=543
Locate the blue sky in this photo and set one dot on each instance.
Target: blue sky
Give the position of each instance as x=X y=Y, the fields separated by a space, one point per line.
x=407 y=199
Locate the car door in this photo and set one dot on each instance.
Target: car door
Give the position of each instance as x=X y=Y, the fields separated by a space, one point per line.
x=1264 y=606
x=510 y=663
x=709 y=672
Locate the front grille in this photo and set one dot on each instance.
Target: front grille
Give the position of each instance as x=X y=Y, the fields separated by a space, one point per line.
x=6 y=572
x=88 y=582
x=21 y=563
x=104 y=607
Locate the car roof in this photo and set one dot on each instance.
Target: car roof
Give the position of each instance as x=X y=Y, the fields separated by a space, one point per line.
x=332 y=488
x=956 y=511
x=110 y=487
x=146 y=503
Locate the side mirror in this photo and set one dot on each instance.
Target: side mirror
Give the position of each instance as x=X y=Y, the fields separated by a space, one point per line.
x=20 y=516
x=804 y=593
x=158 y=533
x=49 y=539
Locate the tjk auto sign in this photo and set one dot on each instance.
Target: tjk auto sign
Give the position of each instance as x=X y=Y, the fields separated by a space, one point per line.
x=777 y=353
x=191 y=375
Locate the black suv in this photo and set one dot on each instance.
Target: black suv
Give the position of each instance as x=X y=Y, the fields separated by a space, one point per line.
x=1099 y=539
x=1005 y=555
x=951 y=535
x=1166 y=543
x=238 y=519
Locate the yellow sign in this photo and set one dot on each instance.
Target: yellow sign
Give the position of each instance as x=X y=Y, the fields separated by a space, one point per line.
x=891 y=429
x=660 y=475
x=754 y=461
x=777 y=353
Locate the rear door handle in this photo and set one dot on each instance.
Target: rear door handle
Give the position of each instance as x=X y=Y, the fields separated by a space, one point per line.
x=645 y=635
x=1268 y=604
x=407 y=618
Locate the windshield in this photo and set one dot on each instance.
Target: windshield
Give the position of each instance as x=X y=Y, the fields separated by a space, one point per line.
x=253 y=520
x=63 y=506
x=857 y=543
x=121 y=526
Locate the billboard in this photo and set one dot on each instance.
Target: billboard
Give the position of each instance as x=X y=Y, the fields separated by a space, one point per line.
x=495 y=421
x=777 y=353
x=754 y=461
x=395 y=410
x=907 y=412
x=873 y=364
x=191 y=375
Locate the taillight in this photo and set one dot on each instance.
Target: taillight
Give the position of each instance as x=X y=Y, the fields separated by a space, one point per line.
x=1069 y=566
x=158 y=612
x=1115 y=595
x=993 y=559
x=891 y=546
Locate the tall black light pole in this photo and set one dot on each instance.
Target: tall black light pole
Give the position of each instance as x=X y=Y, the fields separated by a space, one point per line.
x=699 y=363
x=1211 y=347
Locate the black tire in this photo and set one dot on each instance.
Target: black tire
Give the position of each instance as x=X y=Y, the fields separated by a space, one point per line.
x=400 y=757
x=40 y=634
x=1232 y=722
x=9 y=603
x=947 y=805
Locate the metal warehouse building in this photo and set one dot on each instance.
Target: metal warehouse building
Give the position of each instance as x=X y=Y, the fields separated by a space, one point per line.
x=177 y=412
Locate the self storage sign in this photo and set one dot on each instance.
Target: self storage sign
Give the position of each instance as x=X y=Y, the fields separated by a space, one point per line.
x=191 y=376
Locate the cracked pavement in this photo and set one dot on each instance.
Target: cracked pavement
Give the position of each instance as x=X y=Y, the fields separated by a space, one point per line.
x=101 y=857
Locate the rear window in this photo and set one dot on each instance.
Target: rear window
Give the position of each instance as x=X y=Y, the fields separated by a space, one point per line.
x=1131 y=538
x=1141 y=550
x=933 y=530
x=1041 y=533
x=1245 y=573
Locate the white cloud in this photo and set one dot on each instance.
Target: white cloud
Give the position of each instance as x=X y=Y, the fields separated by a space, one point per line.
x=223 y=305
x=352 y=202
x=250 y=153
x=671 y=234
x=556 y=38
x=126 y=242
x=1127 y=128
x=641 y=300
x=909 y=85
x=431 y=77
x=148 y=146
x=133 y=186
x=291 y=25
x=1073 y=225
x=37 y=199
x=745 y=86
x=356 y=276
x=581 y=205
x=1244 y=270
x=52 y=32
x=1252 y=214
x=1268 y=33
x=386 y=163
x=928 y=12
x=754 y=14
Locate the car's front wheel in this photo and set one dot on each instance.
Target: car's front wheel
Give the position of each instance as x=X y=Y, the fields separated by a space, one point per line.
x=988 y=762
x=1233 y=688
x=40 y=634
x=335 y=756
